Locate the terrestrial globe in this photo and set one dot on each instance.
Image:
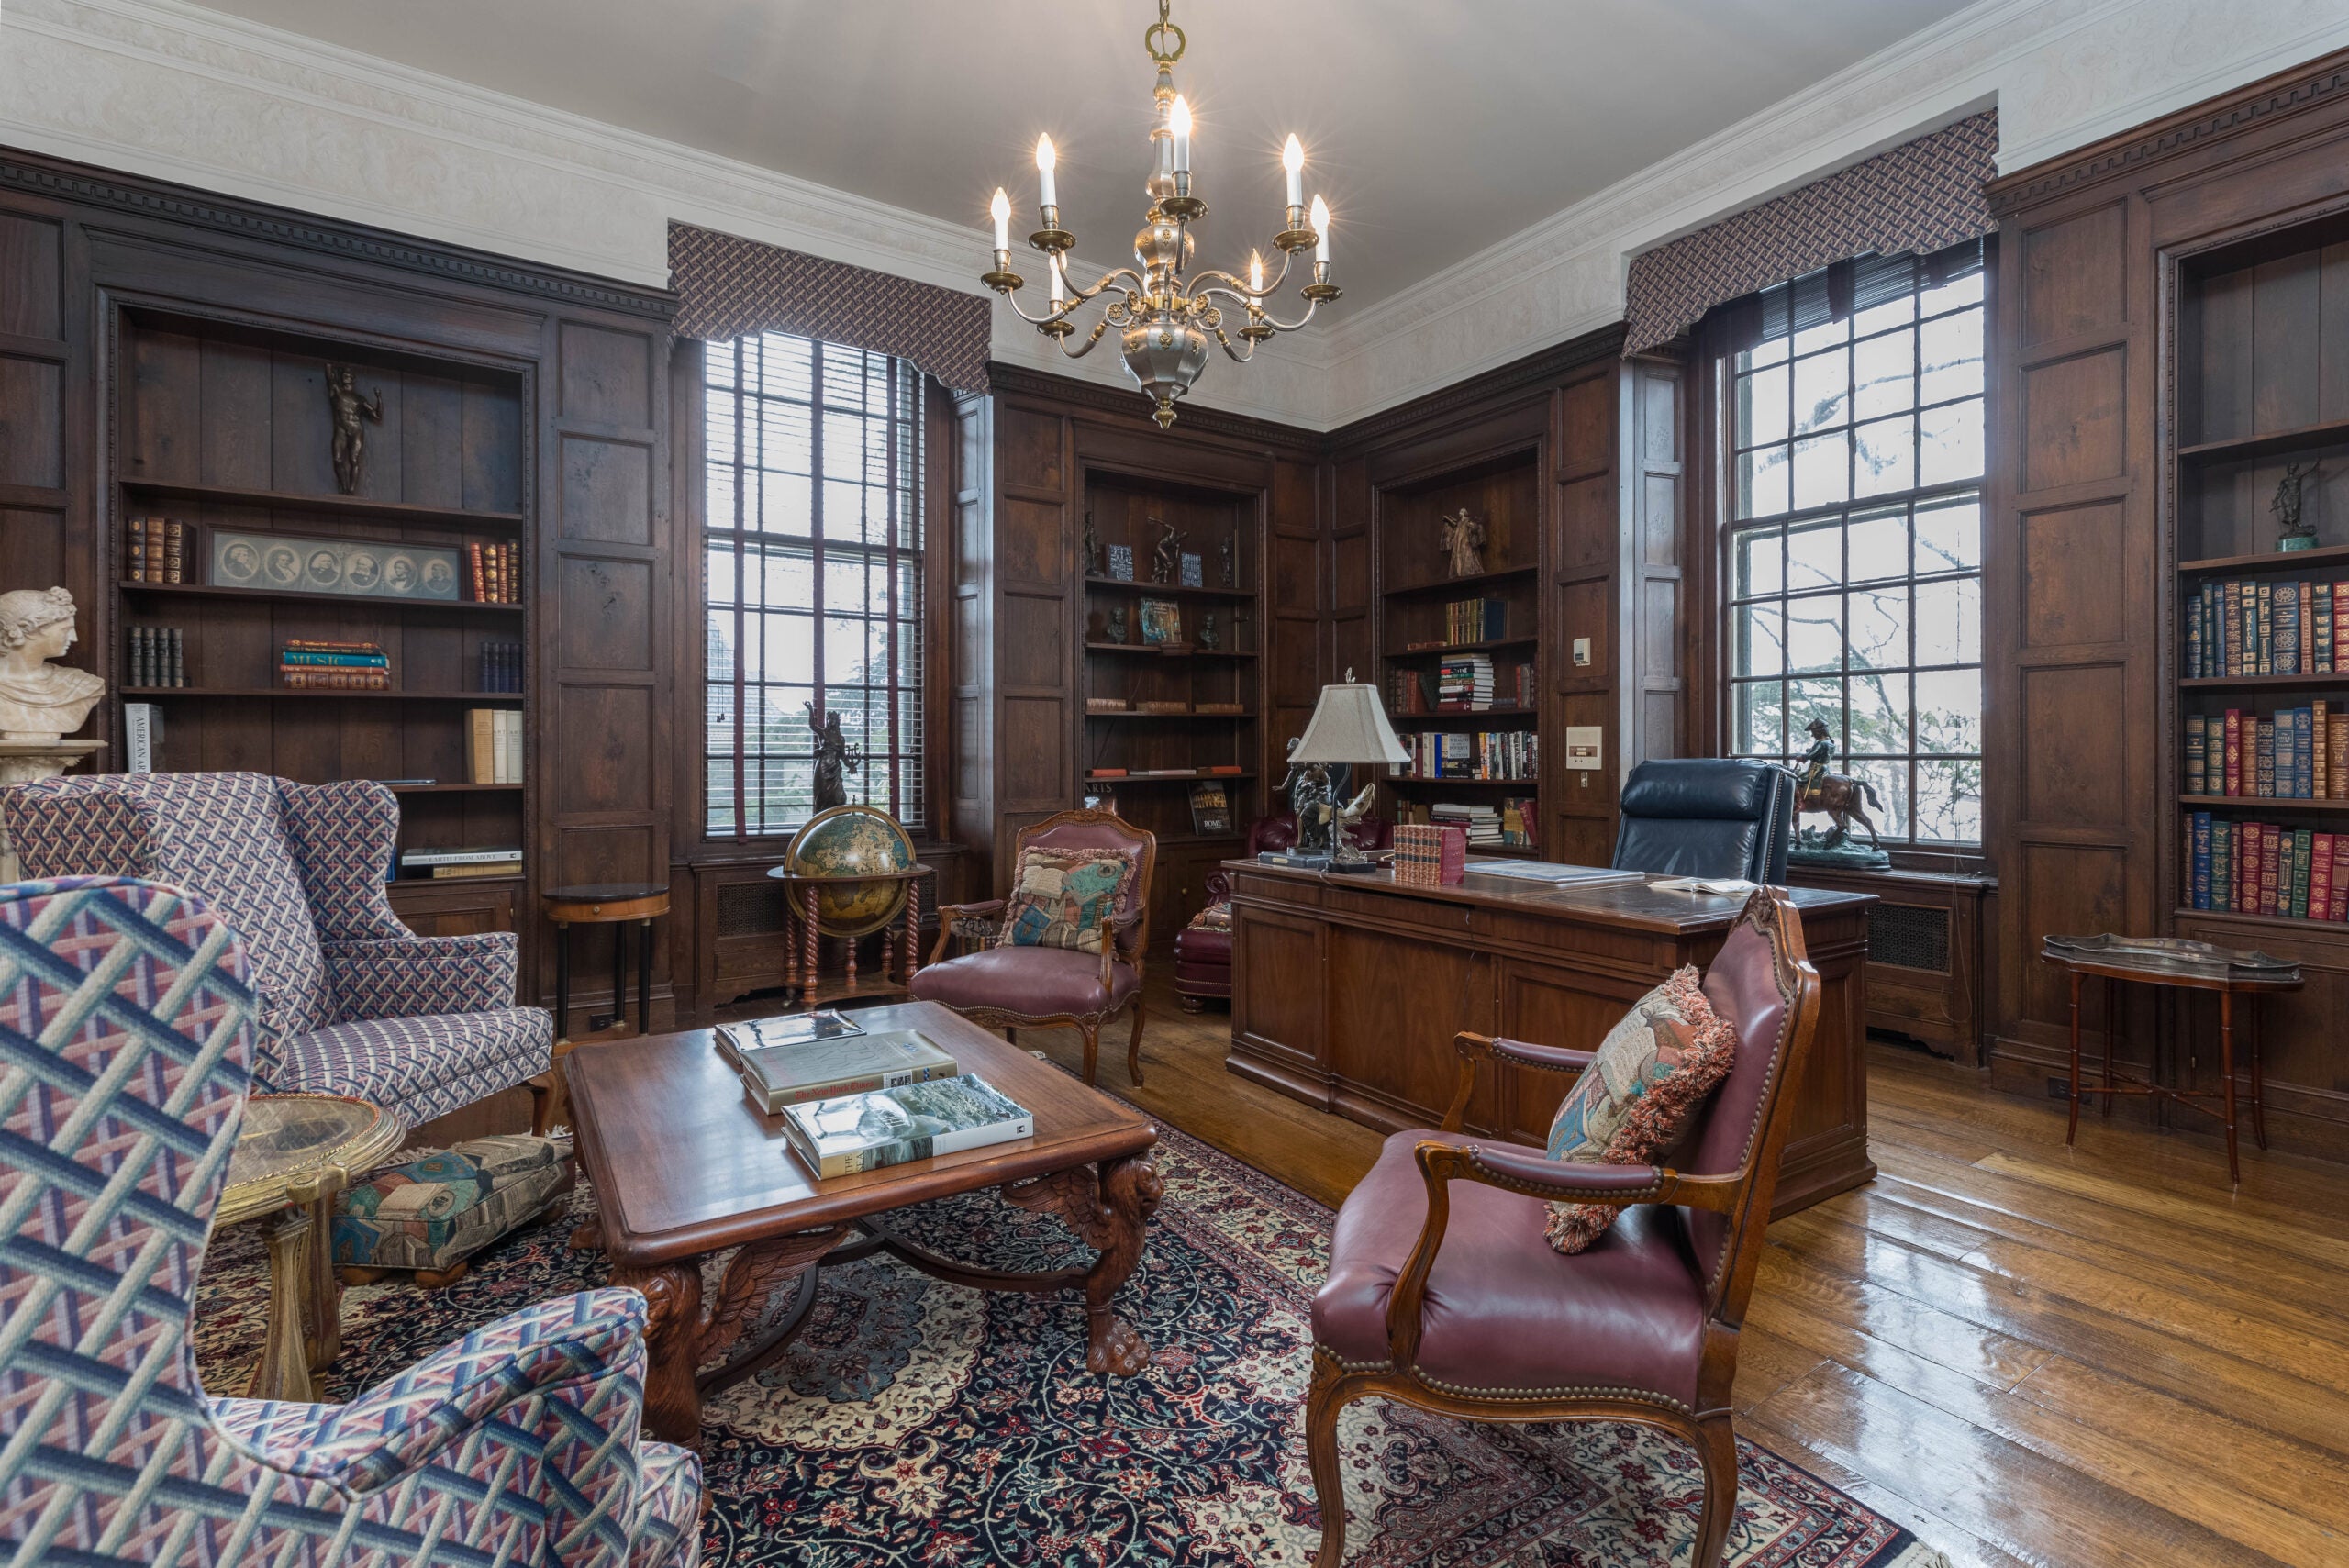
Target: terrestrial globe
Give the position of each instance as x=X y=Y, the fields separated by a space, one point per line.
x=844 y=841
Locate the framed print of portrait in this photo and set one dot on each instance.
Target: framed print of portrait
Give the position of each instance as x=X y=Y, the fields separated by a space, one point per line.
x=366 y=567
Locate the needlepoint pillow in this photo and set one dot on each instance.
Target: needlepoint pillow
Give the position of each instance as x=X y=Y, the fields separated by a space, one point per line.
x=1643 y=1087
x=1059 y=896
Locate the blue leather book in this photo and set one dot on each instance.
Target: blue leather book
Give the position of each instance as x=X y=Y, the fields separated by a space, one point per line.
x=2222 y=865
x=2288 y=628
x=2303 y=755
x=2202 y=859
x=2264 y=758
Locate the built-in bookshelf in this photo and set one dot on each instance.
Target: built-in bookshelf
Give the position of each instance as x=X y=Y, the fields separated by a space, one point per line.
x=1170 y=668
x=2260 y=697
x=1459 y=652
x=225 y=432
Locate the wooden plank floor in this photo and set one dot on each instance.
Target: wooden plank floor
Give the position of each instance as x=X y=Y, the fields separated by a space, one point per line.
x=2025 y=1353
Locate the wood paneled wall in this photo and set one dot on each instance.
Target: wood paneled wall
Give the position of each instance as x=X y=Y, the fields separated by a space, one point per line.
x=2083 y=634
x=571 y=369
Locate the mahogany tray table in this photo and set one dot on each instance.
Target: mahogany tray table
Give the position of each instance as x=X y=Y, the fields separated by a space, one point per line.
x=686 y=1166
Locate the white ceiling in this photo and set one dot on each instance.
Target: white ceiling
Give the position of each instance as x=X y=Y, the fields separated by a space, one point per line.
x=1434 y=128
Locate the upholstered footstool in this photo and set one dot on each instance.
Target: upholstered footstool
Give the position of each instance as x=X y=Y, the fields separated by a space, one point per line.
x=433 y=1213
x=1203 y=958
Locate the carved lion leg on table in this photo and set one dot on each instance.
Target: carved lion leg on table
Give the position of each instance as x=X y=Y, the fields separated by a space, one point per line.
x=672 y=1403
x=682 y=1332
x=1108 y=1210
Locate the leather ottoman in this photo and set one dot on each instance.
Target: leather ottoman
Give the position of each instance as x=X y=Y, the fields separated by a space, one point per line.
x=1203 y=958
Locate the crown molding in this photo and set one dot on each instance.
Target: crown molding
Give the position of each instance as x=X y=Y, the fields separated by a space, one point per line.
x=1539 y=370
x=65 y=181
x=1127 y=405
x=2286 y=92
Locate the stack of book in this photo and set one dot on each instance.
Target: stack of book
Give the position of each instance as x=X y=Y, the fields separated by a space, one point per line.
x=2300 y=754
x=1410 y=692
x=154 y=550
x=1482 y=823
x=2263 y=629
x=1464 y=684
x=493 y=745
x=1476 y=620
x=850 y=1101
x=447 y=864
x=158 y=657
x=335 y=666
x=1429 y=856
x=496 y=573
x=2260 y=868
x=501 y=666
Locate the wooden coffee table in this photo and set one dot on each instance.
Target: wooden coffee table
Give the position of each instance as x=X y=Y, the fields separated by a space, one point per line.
x=686 y=1166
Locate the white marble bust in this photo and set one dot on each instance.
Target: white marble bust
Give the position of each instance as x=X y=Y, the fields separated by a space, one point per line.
x=40 y=701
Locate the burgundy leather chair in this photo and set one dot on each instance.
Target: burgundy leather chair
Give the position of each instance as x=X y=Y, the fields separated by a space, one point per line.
x=1445 y=1293
x=1039 y=987
x=1203 y=948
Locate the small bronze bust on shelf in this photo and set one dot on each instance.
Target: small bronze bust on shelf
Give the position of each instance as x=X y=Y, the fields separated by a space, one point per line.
x=2286 y=505
x=1117 y=624
x=1207 y=635
x=1463 y=544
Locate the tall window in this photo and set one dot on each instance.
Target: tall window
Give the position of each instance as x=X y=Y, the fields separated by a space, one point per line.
x=815 y=578
x=1854 y=549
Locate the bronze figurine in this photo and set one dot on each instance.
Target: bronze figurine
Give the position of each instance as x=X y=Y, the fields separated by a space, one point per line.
x=1117 y=624
x=1463 y=543
x=1838 y=794
x=2286 y=505
x=351 y=411
x=1207 y=635
x=835 y=757
x=1167 y=558
x=1094 y=565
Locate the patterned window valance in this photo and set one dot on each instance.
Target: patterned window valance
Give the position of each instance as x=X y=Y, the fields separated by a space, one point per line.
x=1922 y=195
x=730 y=287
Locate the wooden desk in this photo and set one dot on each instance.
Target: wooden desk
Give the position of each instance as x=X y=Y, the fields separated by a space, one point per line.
x=1346 y=992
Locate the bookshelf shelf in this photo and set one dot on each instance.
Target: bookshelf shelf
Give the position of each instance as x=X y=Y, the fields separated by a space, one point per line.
x=2269 y=561
x=1171 y=590
x=1463 y=648
x=382 y=605
x=408 y=513
x=2261 y=802
x=1147 y=651
x=1525 y=717
x=2330 y=432
x=1523 y=784
x=1129 y=712
x=2282 y=924
x=2263 y=683
x=1168 y=778
x=1453 y=586
x=484 y=699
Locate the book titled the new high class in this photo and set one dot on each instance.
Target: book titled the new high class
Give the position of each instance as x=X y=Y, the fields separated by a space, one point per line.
x=863 y=1132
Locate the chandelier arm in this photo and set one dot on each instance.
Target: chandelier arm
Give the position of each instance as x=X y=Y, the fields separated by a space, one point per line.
x=1237 y=356
x=1279 y=326
x=1086 y=347
x=1044 y=321
x=1254 y=296
x=1078 y=297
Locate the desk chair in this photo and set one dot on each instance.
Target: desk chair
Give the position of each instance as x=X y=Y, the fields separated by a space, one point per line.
x=1708 y=816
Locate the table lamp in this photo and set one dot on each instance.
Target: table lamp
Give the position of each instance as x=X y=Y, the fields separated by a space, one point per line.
x=1348 y=726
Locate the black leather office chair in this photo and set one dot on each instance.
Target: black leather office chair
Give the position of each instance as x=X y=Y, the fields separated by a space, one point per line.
x=1708 y=816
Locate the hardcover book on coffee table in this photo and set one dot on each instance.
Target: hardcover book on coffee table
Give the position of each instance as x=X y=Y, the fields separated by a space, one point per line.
x=779 y=1075
x=893 y=1127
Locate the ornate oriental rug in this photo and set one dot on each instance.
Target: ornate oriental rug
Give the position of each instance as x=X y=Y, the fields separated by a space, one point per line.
x=919 y=1424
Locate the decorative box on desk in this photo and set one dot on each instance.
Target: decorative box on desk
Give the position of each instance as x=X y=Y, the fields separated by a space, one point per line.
x=1347 y=993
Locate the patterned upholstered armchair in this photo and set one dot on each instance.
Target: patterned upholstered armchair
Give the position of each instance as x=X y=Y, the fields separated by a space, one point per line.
x=126 y=1031
x=1009 y=986
x=352 y=1002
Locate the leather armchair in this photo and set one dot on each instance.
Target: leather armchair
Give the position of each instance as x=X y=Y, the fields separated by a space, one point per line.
x=126 y=1021
x=1203 y=948
x=1445 y=1292
x=1042 y=987
x=1708 y=816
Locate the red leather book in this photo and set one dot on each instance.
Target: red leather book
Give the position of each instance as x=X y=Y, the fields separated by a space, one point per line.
x=2336 y=908
x=480 y=584
x=2320 y=877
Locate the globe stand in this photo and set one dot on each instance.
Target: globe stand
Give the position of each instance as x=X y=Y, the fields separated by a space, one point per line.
x=803 y=897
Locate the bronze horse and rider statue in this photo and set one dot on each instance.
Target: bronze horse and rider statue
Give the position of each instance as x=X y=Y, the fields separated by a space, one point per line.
x=1840 y=796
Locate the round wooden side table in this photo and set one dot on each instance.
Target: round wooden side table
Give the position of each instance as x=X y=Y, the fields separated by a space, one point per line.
x=293 y=1154
x=619 y=905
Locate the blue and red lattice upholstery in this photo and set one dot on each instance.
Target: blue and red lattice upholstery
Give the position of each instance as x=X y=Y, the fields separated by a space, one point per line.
x=125 y=1030
x=298 y=871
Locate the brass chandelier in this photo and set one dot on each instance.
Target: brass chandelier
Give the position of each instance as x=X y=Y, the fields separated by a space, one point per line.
x=1166 y=323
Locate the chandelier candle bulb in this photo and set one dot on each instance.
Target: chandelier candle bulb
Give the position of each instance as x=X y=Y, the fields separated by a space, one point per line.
x=1047 y=197
x=1001 y=210
x=1179 y=117
x=1293 y=160
x=1255 y=277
